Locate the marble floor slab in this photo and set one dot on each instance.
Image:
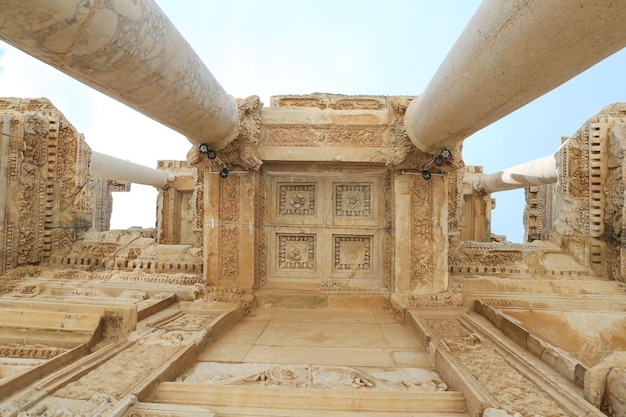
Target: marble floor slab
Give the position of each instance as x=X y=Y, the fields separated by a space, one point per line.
x=323 y=337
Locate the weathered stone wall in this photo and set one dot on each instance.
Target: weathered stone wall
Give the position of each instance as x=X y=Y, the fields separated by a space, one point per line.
x=588 y=200
x=47 y=199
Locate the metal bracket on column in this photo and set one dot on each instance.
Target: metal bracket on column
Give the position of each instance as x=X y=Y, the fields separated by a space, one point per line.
x=445 y=155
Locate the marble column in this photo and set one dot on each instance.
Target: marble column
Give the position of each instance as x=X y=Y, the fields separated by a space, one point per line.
x=536 y=172
x=130 y=51
x=510 y=53
x=112 y=168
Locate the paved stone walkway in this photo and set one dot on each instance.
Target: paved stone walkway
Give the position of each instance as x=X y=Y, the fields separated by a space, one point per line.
x=321 y=337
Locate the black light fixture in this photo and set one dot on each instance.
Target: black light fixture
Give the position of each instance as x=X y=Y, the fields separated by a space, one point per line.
x=210 y=153
x=426 y=174
x=224 y=173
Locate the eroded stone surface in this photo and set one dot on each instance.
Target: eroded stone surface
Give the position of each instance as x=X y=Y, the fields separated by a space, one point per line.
x=332 y=212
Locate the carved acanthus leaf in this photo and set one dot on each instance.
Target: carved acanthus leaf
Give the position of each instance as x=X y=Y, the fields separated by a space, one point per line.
x=243 y=150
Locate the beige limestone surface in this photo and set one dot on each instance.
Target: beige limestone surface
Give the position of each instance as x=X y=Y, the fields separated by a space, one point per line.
x=322 y=337
x=588 y=336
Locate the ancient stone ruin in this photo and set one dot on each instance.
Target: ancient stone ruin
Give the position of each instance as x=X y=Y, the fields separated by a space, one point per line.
x=322 y=254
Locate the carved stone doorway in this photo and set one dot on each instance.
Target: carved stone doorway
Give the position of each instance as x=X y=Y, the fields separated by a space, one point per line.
x=325 y=226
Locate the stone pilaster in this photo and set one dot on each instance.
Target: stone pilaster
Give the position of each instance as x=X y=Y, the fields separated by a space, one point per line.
x=421 y=227
x=229 y=229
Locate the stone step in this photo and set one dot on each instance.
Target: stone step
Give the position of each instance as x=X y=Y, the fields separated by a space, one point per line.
x=249 y=412
x=237 y=400
x=46 y=327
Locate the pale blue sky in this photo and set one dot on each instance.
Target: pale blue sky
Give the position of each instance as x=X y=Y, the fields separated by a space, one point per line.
x=299 y=47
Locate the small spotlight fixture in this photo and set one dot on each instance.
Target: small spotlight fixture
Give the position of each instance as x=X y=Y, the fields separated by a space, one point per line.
x=210 y=153
x=224 y=173
x=426 y=174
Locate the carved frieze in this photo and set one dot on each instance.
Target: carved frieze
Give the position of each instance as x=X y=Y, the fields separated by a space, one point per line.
x=353 y=135
x=30 y=351
x=330 y=101
x=340 y=288
x=315 y=377
x=445 y=299
x=422 y=233
x=188 y=322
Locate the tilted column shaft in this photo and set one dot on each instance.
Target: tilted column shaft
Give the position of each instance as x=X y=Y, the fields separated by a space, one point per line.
x=130 y=51
x=112 y=168
x=510 y=53
x=536 y=172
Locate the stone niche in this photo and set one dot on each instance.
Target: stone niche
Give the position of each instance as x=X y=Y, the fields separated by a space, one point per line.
x=181 y=205
x=325 y=190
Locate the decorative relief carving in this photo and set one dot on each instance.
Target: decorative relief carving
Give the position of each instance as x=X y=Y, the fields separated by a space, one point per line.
x=188 y=322
x=422 y=231
x=171 y=279
x=98 y=405
x=296 y=200
x=324 y=135
x=30 y=351
x=400 y=145
x=315 y=377
x=54 y=200
x=223 y=295
x=330 y=101
x=352 y=252
x=508 y=386
x=455 y=203
x=388 y=240
x=17 y=289
x=242 y=150
x=359 y=103
x=340 y=288
x=445 y=299
x=127 y=368
x=197 y=200
x=296 y=251
x=353 y=200
x=533 y=213
x=319 y=102
x=229 y=230
x=511 y=258
x=260 y=235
